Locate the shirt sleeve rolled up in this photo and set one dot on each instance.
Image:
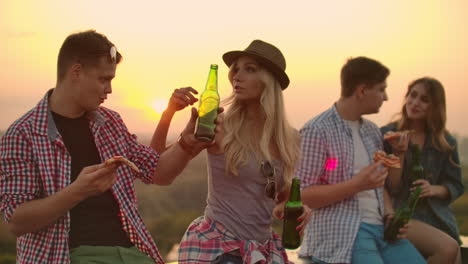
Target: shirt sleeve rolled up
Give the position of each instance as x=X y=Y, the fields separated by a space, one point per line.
x=18 y=180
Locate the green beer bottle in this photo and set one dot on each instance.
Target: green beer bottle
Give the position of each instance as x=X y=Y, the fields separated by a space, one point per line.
x=292 y=210
x=416 y=170
x=404 y=213
x=402 y=216
x=208 y=109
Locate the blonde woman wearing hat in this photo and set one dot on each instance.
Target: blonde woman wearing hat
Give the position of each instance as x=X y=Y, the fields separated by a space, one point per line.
x=249 y=168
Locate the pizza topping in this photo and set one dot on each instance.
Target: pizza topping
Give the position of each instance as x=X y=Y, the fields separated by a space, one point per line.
x=389 y=160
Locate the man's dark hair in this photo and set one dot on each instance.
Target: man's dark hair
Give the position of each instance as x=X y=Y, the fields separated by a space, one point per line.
x=361 y=70
x=86 y=48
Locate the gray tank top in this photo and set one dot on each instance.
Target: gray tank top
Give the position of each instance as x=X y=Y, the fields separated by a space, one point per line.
x=239 y=202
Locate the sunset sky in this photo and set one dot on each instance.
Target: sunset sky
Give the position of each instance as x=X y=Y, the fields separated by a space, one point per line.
x=171 y=44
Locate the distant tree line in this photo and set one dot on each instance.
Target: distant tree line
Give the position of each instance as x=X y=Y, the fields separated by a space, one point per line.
x=168 y=210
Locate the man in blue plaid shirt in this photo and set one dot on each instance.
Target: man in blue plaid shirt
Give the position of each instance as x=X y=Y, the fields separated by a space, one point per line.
x=341 y=182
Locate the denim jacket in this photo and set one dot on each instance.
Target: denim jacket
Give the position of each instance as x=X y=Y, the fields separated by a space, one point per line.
x=438 y=170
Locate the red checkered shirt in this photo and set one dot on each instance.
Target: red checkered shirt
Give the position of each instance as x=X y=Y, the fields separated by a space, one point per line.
x=34 y=164
x=206 y=239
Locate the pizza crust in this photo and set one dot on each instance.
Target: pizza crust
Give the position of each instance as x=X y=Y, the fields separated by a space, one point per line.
x=124 y=161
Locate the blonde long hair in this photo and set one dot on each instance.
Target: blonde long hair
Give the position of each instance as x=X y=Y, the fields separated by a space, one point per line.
x=276 y=130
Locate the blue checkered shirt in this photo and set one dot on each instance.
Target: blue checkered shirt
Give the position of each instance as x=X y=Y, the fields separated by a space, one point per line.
x=328 y=158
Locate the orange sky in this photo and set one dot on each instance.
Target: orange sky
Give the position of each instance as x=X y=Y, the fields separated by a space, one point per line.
x=171 y=44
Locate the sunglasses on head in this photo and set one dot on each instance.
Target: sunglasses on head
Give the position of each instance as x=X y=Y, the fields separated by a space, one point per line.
x=268 y=171
x=113 y=54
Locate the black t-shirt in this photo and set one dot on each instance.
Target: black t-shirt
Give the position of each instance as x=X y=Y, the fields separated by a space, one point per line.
x=95 y=220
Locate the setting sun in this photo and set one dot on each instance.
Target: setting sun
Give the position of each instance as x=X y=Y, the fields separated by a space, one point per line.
x=413 y=38
x=159 y=105
x=168 y=47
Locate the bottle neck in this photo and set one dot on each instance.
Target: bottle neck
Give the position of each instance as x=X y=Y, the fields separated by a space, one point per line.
x=414 y=197
x=212 y=82
x=415 y=155
x=295 y=194
x=416 y=169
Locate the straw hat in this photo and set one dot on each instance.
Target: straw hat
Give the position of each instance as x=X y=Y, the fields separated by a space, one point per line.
x=268 y=56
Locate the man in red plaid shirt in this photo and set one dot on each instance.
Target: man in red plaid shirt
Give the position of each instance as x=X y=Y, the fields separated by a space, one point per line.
x=58 y=196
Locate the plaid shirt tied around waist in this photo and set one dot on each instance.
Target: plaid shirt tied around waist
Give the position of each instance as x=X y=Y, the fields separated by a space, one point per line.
x=206 y=239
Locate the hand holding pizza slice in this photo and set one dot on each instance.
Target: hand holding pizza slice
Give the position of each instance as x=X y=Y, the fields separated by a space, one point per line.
x=396 y=134
x=123 y=160
x=388 y=160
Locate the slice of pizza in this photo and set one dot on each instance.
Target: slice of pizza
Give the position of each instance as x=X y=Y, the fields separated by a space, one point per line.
x=124 y=161
x=396 y=134
x=388 y=160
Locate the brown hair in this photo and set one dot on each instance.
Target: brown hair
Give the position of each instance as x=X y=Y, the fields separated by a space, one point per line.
x=436 y=117
x=86 y=48
x=361 y=70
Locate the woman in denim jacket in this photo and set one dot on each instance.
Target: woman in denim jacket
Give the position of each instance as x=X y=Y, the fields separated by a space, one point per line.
x=433 y=229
